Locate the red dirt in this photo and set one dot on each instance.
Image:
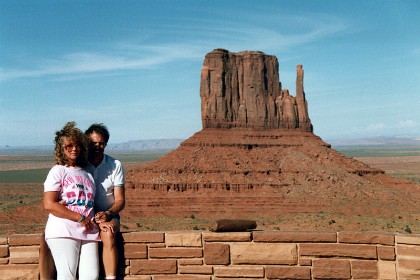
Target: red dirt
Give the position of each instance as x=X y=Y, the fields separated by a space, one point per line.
x=274 y=175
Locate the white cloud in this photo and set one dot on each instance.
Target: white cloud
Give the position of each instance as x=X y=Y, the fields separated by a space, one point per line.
x=273 y=35
x=375 y=127
x=406 y=124
x=382 y=128
x=91 y=62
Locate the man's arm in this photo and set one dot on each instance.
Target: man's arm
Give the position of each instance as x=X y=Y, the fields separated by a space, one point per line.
x=119 y=204
x=119 y=189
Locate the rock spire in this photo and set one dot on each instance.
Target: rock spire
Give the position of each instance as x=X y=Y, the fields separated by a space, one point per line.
x=243 y=90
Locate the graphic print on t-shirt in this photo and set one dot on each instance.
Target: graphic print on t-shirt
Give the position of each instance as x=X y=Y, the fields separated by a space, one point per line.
x=77 y=191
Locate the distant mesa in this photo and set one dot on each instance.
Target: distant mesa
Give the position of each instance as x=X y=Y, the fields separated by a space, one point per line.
x=146 y=145
x=243 y=90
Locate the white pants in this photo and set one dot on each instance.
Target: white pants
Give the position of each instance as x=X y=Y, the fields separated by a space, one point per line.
x=68 y=253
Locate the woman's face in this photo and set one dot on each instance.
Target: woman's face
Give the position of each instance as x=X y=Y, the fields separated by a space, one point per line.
x=71 y=150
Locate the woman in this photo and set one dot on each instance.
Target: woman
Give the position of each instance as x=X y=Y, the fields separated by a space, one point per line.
x=69 y=193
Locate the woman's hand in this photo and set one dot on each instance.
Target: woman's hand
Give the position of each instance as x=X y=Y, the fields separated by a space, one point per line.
x=88 y=224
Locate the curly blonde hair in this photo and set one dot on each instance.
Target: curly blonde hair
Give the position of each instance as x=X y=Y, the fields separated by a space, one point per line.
x=72 y=133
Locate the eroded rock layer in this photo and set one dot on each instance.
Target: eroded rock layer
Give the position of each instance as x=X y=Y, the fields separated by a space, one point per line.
x=243 y=90
x=241 y=172
x=242 y=159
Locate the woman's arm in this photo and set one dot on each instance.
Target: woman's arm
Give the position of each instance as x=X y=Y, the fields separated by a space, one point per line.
x=57 y=209
x=60 y=210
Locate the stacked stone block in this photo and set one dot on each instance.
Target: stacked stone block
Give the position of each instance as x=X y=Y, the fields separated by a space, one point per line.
x=195 y=255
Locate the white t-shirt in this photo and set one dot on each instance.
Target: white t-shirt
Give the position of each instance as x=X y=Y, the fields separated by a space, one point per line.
x=108 y=175
x=77 y=188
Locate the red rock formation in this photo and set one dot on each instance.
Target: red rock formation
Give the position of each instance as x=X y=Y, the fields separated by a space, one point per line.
x=257 y=155
x=243 y=90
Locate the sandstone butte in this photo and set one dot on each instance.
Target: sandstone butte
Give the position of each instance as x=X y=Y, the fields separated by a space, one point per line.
x=257 y=156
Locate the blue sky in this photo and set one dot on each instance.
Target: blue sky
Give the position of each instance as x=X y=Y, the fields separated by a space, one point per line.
x=135 y=65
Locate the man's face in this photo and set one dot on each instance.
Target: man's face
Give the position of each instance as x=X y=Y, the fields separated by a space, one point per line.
x=97 y=144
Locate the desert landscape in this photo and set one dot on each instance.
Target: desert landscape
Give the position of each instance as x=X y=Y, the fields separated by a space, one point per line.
x=256 y=158
x=21 y=208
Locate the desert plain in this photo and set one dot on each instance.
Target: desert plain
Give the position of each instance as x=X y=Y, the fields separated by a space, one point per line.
x=21 y=192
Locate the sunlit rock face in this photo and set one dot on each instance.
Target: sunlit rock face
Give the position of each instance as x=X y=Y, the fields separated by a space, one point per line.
x=257 y=156
x=243 y=90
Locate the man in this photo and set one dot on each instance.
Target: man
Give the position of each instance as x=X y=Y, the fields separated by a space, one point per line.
x=110 y=195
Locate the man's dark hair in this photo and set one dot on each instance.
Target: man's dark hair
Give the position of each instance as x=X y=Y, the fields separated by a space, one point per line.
x=99 y=128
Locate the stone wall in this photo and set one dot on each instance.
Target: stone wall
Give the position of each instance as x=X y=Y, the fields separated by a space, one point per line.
x=195 y=255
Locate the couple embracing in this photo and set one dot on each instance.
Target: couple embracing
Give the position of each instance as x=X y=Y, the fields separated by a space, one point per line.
x=83 y=192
